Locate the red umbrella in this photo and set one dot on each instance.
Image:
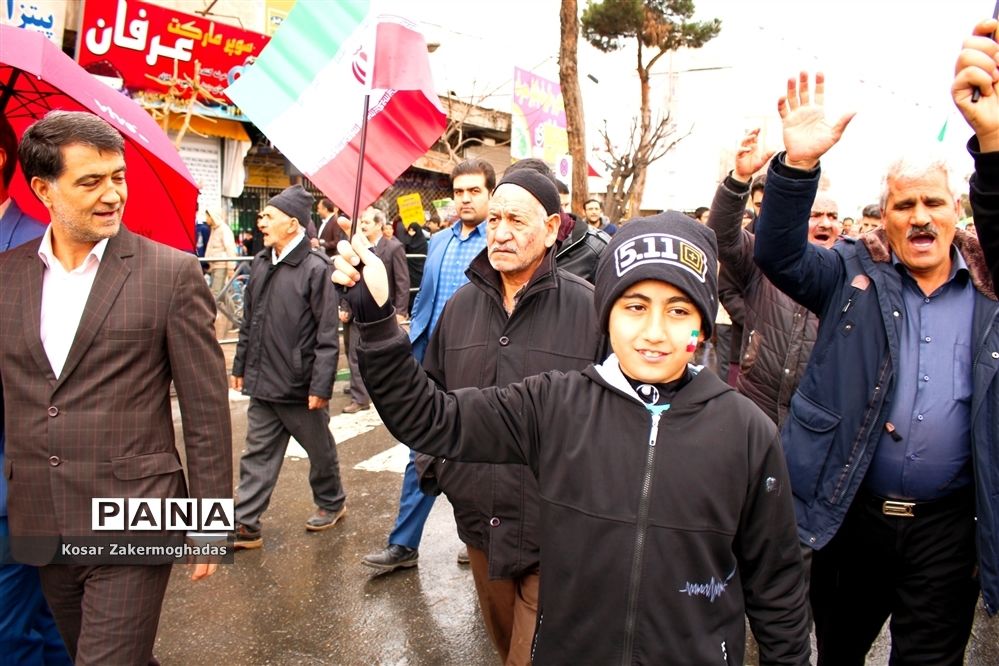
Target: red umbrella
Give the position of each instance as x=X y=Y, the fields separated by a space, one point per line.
x=36 y=77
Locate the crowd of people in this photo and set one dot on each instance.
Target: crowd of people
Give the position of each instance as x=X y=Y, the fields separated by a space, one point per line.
x=857 y=452
x=833 y=463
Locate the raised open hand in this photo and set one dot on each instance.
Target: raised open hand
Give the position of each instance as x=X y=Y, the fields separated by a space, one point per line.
x=978 y=67
x=808 y=135
x=751 y=156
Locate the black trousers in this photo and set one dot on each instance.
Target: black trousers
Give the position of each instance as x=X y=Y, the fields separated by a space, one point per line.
x=921 y=571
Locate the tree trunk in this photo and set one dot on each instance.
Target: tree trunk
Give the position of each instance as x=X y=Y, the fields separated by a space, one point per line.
x=569 y=80
x=637 y=192
x=643 y=150
x=635 y=195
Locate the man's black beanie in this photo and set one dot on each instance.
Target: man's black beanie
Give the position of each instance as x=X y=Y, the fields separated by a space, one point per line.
x=540 y=187
x=669 y=247
x=294 y=201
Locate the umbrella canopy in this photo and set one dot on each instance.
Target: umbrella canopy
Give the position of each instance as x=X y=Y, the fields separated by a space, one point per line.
x=36 y=77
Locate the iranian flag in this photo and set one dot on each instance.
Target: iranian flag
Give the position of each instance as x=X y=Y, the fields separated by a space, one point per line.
x=306 y=93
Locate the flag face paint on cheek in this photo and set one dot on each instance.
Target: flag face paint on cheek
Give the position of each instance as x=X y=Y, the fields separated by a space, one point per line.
x=692 y=345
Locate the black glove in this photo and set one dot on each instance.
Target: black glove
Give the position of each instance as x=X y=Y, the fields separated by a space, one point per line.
x=362 y=306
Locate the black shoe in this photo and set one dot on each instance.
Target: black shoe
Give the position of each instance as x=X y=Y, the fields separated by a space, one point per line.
x=323 y=519
x=391 y=558
x=247 y=539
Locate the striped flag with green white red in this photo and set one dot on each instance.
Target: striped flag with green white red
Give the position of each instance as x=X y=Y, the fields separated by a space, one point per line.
x=306 y=93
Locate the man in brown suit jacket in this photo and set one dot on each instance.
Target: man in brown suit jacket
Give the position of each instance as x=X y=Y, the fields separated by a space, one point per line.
x=329 y=233
x=95 y=322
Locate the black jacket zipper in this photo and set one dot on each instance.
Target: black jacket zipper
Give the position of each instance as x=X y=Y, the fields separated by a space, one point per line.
x=641 y=529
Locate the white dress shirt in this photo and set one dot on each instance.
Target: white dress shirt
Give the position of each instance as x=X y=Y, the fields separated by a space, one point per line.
x=64 y=297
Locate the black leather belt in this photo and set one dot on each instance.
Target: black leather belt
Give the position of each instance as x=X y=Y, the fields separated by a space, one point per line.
x=909 y=509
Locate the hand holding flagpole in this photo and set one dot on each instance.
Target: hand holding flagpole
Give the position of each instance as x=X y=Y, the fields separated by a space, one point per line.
x=363 y=273
x=976 y=94
x=977 y=71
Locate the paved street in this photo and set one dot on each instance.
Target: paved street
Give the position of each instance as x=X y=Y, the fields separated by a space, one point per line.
x=304 y=598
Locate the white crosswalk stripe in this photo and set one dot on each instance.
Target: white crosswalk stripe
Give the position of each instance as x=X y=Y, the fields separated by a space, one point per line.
x=343 y=427
x=389 y=460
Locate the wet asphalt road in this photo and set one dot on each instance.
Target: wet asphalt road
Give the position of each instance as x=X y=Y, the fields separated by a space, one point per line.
x=305 y=599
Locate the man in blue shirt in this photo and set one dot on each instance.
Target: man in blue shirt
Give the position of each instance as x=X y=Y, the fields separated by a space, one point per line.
x=450 y=253
x=28 y=633
x=892 y=431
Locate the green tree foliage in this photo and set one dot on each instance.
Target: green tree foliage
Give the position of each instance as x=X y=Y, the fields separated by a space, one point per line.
x=664 y=25
x=658 y=27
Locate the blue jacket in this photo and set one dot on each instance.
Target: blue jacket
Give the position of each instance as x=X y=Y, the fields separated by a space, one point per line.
x=839 y=411
x=16 y=227
x=420 y=325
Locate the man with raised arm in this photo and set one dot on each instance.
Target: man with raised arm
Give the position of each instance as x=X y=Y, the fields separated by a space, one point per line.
x=892 y=431
x=779 y=332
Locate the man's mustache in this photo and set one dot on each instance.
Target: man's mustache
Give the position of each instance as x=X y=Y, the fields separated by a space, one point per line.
x=927 y=229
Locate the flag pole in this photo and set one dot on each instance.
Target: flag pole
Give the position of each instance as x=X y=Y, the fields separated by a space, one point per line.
x=360 y=169
x=976 y=94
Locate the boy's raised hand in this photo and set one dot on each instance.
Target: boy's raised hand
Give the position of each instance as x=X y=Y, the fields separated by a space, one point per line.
x=807 y=132
x=344 y=225
x=345 y=271
x=978 y=67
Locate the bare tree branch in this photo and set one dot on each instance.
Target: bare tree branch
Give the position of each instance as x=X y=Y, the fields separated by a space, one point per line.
x=660 y=27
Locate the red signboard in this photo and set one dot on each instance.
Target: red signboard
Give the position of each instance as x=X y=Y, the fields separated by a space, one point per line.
x=149 y=46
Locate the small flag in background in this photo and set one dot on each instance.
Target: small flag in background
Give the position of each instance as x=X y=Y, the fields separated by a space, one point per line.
x=306 y=93
x=943 y=132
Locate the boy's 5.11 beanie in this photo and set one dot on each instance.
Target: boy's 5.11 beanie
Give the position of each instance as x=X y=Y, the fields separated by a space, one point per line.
x=669 y=247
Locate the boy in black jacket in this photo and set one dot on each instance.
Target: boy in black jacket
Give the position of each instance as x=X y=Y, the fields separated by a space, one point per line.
x=666 y=510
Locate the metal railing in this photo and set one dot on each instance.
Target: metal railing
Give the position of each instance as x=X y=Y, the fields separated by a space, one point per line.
x=229 y=300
